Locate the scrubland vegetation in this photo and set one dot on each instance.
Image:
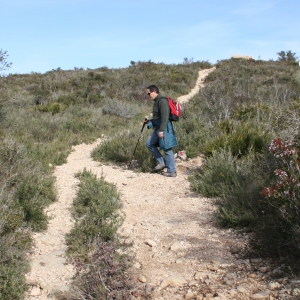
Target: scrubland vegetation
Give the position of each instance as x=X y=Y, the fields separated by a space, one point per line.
x=245 y=122
x=42 y=116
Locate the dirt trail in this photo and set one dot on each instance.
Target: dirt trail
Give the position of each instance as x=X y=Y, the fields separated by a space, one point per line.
x=179 y=251
x=199 y=83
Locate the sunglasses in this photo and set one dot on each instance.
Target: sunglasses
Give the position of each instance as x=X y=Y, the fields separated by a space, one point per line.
x=149 y=93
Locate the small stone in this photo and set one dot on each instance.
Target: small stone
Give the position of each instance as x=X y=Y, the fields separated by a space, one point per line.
x=176 y=247
x=172 y=281
x=296 y=292
x=234 y=250
x=137 y=265
x=189 y=295
x=264 y=269
x=231 y=276
x=256 y=260
x=229 y=282
x=193 y=283
x=261 y=295
x=224 y=266
x=252 y=275
x=201 y=276
x=213 y=268
x=35 y=291
x=209 y=295
x=277 y=271
x=150 y=243
x=242 y=289
x=274 y=285
x=142 y=279
x=285 y=291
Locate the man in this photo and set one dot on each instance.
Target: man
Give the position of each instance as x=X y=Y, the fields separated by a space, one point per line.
x=163 y=135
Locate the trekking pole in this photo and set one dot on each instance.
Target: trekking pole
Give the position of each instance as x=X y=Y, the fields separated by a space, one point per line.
x=145 y=120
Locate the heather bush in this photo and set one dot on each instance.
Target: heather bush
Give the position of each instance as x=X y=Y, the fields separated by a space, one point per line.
x=108 y=275
x=279 y=229
x=120 y=108
x=96 y=214
x=99 y=251
x=15 y=222
x=241 y=138
x=119 y=149
x=245 y=104
x=235 y=185
x=34 y=193
x=14 y=243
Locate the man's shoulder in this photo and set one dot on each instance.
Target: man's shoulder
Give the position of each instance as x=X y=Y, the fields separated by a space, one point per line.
x=160 y=97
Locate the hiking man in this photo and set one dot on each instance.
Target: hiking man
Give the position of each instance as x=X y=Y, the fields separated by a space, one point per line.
x=163 y=135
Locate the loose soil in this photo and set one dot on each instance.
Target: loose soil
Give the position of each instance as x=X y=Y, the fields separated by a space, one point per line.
x=180 y=252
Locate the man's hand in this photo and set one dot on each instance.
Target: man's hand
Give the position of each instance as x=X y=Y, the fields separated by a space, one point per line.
x=161 y=134
x=146 y=121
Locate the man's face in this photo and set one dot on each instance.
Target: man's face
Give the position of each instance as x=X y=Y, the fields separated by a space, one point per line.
x=152 y=95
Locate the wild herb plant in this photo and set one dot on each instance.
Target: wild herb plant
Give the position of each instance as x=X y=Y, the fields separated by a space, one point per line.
x=281 y=202
x=96 y=247
x=245 y=105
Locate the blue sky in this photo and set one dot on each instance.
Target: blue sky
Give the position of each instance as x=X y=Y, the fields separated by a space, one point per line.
x=41 y=35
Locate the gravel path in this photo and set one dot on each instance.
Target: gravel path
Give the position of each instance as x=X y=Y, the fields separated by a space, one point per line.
x=180 y=253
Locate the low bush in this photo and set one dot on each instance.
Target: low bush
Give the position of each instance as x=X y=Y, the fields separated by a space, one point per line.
x=96 y=247
x=120 y=108
x=34 y=193
x=52 y=107
x=120 y=149
x=240 y=138
x=15 y=242
x=235 y=185
x=278 y=232
x=96 y=214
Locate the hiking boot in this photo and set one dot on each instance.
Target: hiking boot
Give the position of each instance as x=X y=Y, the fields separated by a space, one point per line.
x=169 y=174
x=159 y=167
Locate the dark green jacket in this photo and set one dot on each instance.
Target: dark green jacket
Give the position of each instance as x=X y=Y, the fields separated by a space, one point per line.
x=161 y=111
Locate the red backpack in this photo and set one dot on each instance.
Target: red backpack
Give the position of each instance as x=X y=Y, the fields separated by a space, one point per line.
x=175 y=110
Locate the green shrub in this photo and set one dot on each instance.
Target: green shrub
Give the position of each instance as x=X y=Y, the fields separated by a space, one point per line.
x=14 y=242
x=236 y=186
x=96 y=246
x=280 y=225
x=12 y=279
x=52 y=107
x=95 y=212
x=121 y=147
x=33 y=194
x=108 y=275
x=120 y=108
x=240 y=138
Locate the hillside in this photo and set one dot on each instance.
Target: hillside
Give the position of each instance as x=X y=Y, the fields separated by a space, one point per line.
x=180 y=253
x=240 y=131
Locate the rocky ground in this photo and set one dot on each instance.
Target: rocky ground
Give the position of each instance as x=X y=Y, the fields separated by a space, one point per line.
x=180 y=252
